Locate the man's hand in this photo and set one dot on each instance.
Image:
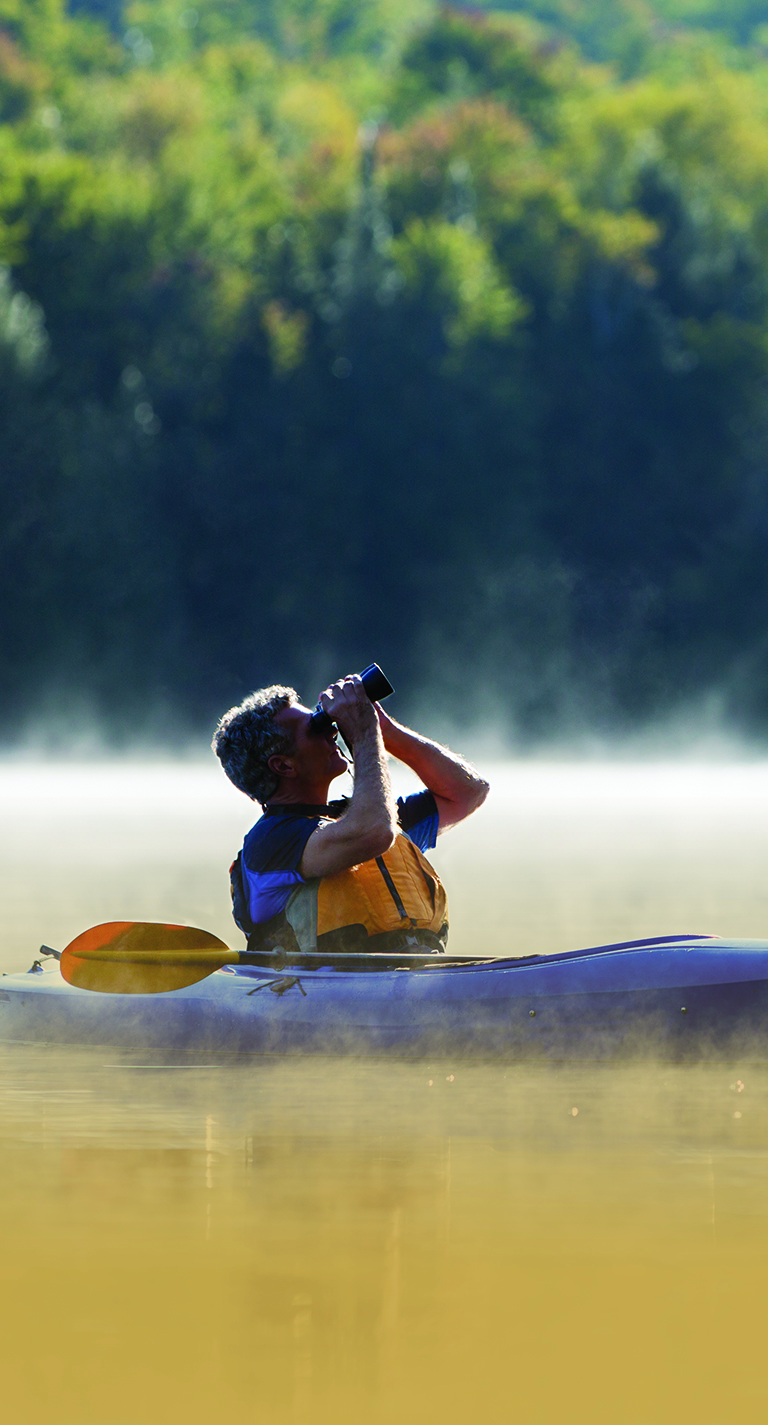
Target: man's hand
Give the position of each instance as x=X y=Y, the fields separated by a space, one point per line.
x=369 y=826
x=348 y=704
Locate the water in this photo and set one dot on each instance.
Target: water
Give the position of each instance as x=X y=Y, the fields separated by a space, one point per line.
x=332 y=1241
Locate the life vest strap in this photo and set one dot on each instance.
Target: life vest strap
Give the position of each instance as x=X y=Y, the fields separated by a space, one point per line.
x=393 y=891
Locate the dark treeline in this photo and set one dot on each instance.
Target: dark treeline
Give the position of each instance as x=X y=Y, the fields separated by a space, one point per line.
x=340 y=329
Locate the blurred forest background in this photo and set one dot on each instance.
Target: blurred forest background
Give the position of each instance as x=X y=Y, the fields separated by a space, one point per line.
x=334 y=330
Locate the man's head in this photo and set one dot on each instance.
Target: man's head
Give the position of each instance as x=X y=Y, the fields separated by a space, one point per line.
x=267 y=749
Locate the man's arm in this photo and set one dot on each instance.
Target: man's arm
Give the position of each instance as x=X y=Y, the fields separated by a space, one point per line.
x=369 y=825
x=457 y=787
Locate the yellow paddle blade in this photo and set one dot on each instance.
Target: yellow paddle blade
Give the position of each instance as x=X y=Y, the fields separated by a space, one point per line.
x=128 y=957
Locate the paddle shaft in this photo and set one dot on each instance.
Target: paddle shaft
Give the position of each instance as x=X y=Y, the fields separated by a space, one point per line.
x=140 y=958
x=270 y=960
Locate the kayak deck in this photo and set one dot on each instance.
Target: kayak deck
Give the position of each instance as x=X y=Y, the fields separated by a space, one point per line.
x=669 y=997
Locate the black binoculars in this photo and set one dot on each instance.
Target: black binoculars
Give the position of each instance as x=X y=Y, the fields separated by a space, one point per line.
x=376 y=685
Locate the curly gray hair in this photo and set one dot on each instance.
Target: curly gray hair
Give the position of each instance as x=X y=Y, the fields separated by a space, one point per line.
x=247 y=737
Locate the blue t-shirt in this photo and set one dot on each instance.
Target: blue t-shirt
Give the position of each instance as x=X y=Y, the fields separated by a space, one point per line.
x=273 y=849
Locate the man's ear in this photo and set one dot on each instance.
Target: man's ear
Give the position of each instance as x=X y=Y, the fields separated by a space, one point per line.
x=280 y=766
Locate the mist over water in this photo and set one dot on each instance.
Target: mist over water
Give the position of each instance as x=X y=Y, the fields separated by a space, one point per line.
x=562 y=854
x=290 y=1241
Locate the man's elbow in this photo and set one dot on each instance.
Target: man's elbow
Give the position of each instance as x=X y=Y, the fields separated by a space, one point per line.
x=483 y=788
x=476 y=795
x=378 y=840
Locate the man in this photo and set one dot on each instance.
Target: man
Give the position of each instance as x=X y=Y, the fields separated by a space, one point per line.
x=349 y=875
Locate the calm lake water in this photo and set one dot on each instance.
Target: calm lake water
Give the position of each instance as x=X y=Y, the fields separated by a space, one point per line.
x=334 y=1241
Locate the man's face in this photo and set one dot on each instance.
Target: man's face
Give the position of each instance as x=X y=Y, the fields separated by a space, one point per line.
x=315 y=757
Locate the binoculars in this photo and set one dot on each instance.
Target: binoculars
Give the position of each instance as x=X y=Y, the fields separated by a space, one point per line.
x=376 y=685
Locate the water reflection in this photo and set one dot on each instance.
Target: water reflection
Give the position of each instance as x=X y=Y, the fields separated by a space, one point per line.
x=337 y=1241
x=331 y=1241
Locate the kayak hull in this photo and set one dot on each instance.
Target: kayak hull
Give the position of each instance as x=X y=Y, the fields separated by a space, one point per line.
x=671 y=998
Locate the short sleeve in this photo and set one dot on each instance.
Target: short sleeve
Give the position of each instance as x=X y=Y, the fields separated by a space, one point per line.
x=419 y=818
x=269 y=867
x=276 y=843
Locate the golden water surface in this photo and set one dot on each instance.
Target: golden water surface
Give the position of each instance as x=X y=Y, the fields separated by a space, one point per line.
x=284 y=1241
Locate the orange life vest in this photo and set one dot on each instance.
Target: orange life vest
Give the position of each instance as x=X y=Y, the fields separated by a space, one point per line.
x=399 y=891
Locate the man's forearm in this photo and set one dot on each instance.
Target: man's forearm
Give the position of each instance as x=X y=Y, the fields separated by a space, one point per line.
x=368 y=827
x=372 y=800
x=445 y=773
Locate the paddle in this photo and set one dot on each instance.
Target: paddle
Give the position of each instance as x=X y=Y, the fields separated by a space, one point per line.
x=139 y=958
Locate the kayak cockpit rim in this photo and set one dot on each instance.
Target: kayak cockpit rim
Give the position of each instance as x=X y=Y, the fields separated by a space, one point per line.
x=437 y=960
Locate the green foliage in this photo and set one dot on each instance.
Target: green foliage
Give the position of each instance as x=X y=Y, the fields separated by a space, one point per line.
x=454 y=269
x=462 y=55
x=643 y=35
x=307 y=30
x=330 y=331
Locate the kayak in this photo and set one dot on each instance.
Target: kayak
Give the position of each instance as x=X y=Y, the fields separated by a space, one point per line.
x=671 y=997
